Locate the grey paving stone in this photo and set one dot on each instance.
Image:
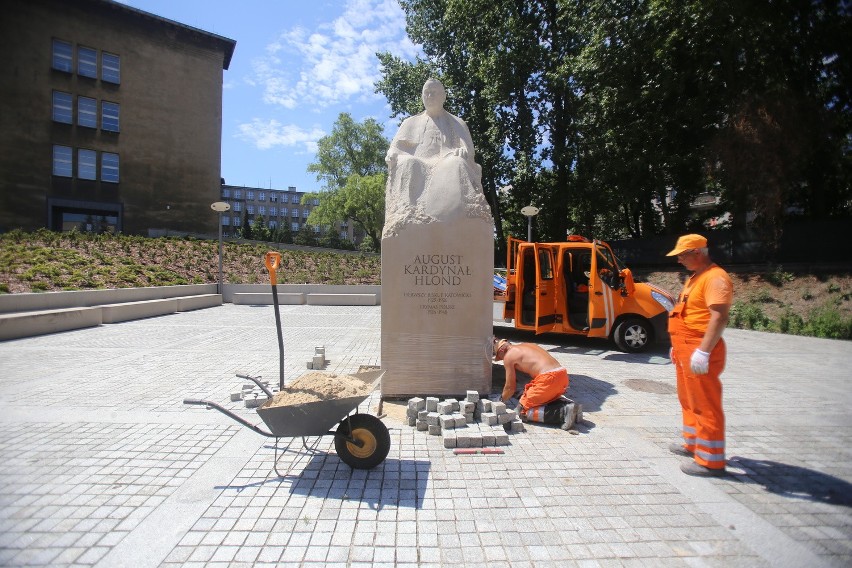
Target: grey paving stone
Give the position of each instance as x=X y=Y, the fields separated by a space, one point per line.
x=611 y=495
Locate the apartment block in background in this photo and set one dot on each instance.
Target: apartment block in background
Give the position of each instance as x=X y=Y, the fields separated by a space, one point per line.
x=110 y=119
x=278 y=208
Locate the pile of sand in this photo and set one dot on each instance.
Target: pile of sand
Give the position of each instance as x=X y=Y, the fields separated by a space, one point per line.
x=314 y=387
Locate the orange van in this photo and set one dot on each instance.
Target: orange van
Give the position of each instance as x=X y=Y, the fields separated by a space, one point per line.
x=578 y=287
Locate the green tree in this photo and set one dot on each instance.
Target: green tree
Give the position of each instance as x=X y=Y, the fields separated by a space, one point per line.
x=306 y=236
x=260 y=230
x=282 y=233
x=361 y=199
x=351 y=148
x=614 y=115
x=351 y=161
x=246 y=229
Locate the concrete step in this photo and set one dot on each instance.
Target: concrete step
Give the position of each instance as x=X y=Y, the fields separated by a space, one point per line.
x=26 y=324
x=201 y=301
x=14 y=325
x=125 y=311
x=325 y=299
x=265 y=298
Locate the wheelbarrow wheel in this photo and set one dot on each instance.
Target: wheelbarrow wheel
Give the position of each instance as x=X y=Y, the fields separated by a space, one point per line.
x=374 y=436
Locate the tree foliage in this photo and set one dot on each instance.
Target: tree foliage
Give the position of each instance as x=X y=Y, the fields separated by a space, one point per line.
x=613 y=116
x=362 y=200
x=351 y=161
x=351 y=148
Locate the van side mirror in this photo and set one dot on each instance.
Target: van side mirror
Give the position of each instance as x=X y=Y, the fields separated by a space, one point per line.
x=628 y=286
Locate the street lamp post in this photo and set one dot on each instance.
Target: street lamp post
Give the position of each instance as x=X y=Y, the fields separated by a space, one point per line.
x=529 y=212
x=220 y=207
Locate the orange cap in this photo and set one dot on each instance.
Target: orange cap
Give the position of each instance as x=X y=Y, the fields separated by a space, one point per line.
x=688 y=242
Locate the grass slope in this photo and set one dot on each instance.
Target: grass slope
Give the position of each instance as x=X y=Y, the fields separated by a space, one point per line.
x=806 y=304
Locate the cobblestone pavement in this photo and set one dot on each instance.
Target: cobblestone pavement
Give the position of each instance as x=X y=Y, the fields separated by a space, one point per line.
x=102 y=465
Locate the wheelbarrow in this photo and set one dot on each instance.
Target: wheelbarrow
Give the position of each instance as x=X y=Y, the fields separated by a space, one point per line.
x=361 y=440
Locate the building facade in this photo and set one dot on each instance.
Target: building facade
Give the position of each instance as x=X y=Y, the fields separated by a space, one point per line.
x=278 y=208
x=110 y=119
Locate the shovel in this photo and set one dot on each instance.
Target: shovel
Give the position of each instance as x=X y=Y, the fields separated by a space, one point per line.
x=273 y=262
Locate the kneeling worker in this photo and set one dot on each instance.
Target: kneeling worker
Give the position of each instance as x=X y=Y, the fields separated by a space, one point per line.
x=549 y=377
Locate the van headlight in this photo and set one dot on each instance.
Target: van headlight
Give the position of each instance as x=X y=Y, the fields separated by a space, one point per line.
x=663 y=300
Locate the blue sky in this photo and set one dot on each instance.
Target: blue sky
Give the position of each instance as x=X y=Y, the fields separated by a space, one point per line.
x=298 y=64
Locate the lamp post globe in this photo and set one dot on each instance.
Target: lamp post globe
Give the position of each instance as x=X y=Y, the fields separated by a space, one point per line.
x=529 y=212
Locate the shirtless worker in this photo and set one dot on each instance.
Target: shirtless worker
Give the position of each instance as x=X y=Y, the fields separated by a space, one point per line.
x=549 y=377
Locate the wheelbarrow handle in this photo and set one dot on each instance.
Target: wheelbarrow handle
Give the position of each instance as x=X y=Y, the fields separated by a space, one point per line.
x=229 y=414
x=273 y=262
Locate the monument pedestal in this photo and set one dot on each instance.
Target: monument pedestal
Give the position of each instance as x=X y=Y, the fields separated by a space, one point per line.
x=437 y=305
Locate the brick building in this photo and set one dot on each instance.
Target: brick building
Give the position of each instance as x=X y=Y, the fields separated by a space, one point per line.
x=110 y=119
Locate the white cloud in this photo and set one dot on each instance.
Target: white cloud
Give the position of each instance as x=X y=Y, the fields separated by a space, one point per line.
x=336 y=62
x=271 y=133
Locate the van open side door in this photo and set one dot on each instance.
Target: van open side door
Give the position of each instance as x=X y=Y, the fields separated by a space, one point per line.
x=601 y=316
x=545 y=306
x=513 y=286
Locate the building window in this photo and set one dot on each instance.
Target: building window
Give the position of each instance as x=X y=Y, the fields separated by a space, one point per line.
x=283 y=211
x=87 y=62
x=62 y=107
x=294 y=198
x=238 y=194
x=238 y=206
x=250 y=195
x=110 y=68
x=273 y=211
x=87 y=164
x=226 y=220
x=237 y=222
x=273 y=224
x=295 y=214
x=250 y=209
x=305 y=213
x=109 y=116
x=87 y=112
x=261 y=209
x=262 y=196
x=273 y=198
x=109 y=167
x=294 y=226
x=226 y=193
x=62 y=164
x=62 y=59
x=316 y=200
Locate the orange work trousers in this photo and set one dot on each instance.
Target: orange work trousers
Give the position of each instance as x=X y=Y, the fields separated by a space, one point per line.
x=700 y=397
x=544 y=388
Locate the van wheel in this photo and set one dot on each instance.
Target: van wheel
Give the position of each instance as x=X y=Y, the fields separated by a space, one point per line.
x=632 y=335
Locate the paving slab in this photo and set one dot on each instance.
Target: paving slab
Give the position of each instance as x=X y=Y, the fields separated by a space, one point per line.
x=102 y=465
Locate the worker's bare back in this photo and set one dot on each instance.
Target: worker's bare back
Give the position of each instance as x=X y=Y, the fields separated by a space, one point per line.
x=530 y=359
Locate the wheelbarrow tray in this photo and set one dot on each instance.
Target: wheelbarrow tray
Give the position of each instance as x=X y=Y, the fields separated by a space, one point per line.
x=316 y=418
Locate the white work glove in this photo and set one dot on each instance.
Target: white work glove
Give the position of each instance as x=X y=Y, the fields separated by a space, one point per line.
x=700 y=362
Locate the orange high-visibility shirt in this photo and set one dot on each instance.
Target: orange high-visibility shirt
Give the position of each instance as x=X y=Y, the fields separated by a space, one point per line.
x=710 y=288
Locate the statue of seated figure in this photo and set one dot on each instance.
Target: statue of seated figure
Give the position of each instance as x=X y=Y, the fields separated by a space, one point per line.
x=431 y=172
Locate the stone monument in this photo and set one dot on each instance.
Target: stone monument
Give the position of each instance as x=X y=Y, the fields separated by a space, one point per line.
x=437 y=259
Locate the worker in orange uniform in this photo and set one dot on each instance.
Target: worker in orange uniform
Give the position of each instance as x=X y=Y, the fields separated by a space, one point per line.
x=698 y=352
x=549 y=377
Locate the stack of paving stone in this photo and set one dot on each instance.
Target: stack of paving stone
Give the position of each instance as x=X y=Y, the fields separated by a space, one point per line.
x=252 y=395
x=468 y=423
